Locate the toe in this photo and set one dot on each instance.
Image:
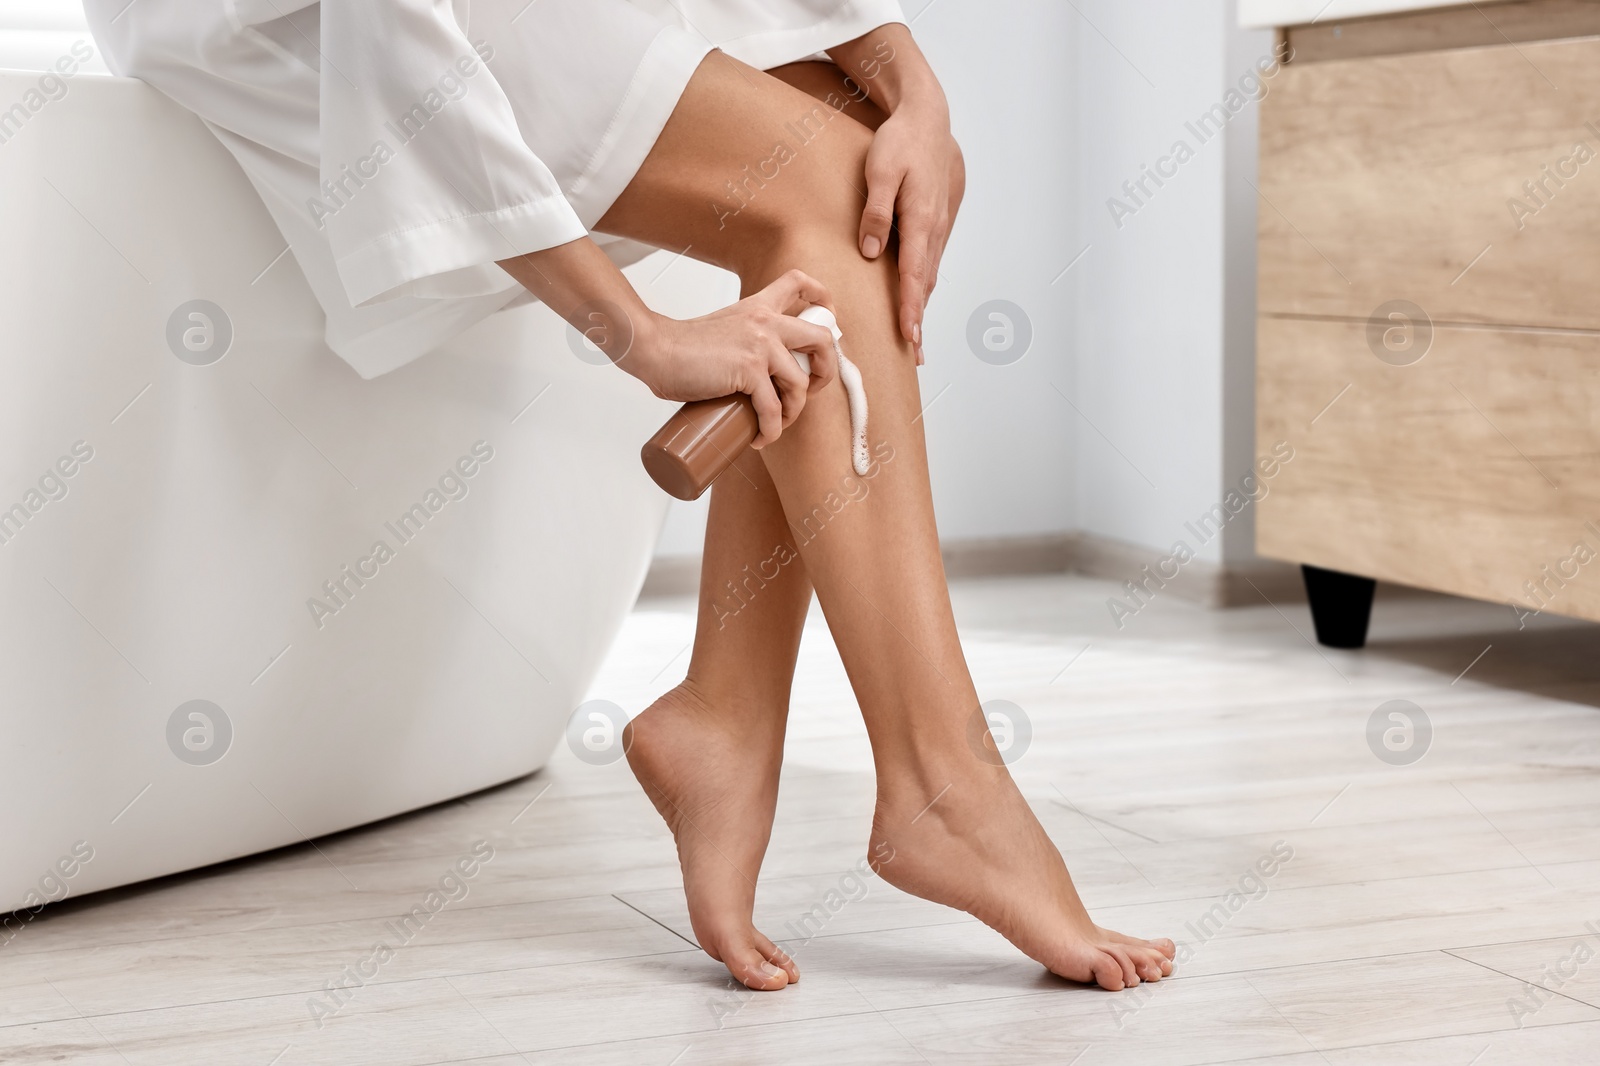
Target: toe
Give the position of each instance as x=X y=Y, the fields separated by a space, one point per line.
x=1130 y=972
x=778 y=957
x=1108 y=972
x=1148 y=960
x=1164 y=946
x=750 y=966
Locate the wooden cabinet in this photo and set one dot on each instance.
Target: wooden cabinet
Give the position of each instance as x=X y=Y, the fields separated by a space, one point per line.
x=1429 y=333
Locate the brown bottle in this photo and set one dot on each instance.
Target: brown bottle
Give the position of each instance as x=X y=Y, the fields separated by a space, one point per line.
x=704 y=438
x=698 y=443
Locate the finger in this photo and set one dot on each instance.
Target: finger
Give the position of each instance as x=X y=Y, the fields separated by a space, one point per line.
x=794 y=292
x=941 y=240
x=791 y=381
x=877 y=218
x=933 y=277
x=915 y=269
x=815 y=341
x=769 y=412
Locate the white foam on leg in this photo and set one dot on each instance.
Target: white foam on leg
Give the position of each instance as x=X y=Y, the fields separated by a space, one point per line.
x=850 y=374
x=854 y=388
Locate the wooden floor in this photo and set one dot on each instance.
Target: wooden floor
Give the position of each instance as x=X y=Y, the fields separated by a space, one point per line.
x=1441 y=912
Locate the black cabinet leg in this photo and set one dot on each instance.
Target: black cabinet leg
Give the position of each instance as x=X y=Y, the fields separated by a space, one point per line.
x=1341 y=606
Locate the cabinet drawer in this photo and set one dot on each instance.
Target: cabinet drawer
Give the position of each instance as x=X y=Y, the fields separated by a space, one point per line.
x=1398 y=177
x=1466 y=472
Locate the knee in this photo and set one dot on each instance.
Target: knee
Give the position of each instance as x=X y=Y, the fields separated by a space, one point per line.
x=807 y=198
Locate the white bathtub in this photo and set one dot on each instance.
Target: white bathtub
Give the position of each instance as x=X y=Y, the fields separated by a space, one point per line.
x=219 y=498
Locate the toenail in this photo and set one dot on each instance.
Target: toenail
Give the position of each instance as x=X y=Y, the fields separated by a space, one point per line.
x=771 y=970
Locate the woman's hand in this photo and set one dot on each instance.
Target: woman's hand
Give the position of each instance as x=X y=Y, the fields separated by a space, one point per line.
x=914 y=168
x=914 y=171
x=743 y=348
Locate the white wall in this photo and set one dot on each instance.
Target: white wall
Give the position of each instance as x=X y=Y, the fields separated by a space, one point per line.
x=1165 y=335
x=1000 y=438
x=36 y=33
x=1240 y=205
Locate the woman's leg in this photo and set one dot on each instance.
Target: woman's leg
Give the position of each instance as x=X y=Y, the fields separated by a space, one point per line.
x=708 y=753
x=754 y=175
x=726 y=721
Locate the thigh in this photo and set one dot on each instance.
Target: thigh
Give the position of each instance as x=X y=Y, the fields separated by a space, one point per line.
x=827 y=83
x=744 y=160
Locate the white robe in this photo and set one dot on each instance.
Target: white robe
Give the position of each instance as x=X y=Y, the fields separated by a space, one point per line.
x=405 y=146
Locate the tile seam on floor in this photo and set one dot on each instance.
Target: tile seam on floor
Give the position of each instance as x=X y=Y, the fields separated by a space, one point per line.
x=1165 y=900
x=400 y=982
x=1358 y=1047
x=460 y=909
x=901 y=1033
x=393 y=983
x=1103 y=821
x=656 y=920
x=874 y=1011
x=1268 y=789
x=1336 y=884
x=1522 y=981
x=397 y=982
x=690 y=1034
x=1512 y=943
x=1227 y=974
x=1003 y=997
x=1314 y=1048
x=1190 y=838
x=1306 y=965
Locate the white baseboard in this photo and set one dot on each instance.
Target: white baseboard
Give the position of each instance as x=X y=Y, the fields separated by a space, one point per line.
x=1238 y=584
x=1211 y=584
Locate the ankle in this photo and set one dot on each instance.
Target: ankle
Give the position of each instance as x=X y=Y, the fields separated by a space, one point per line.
x=739 y=716
x=951 y=773
x=737 y=695
x=933 y=750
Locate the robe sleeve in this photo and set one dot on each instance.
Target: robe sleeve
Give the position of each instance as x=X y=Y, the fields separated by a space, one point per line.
x=425 y=174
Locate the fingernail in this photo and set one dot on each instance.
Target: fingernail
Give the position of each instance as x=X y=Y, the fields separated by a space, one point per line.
x=771 y=970
x=920 y=357
x=871 y=247
x=916 y=334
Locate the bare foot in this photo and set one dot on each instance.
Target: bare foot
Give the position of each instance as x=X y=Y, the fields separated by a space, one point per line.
x=978 y=847
x=713 y=775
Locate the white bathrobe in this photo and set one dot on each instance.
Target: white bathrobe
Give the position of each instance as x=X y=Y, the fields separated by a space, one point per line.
x=404 y=146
